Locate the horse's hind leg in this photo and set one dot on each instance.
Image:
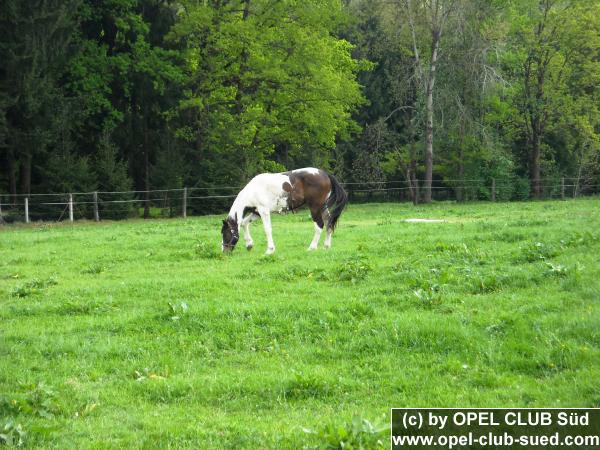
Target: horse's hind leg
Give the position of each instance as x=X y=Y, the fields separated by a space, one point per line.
x=327 y=243
x=246 y=225
x=316 y=216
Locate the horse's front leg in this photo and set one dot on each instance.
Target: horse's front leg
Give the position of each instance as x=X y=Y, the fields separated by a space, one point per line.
x=265 y=215
x=246 y=225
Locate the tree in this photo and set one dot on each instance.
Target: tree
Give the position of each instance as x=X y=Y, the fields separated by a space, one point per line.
x=427 y=20
x=127 y=80
x=35 y=38
x=469 y=83
x=555 y=48
x=267 y=80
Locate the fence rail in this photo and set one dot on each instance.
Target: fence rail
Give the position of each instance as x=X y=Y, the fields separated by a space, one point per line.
x=198 y=200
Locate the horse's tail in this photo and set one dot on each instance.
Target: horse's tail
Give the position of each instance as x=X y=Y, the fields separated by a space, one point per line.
x=337 y=201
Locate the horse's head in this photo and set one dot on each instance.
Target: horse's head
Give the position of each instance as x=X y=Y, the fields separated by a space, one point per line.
x=230 y=233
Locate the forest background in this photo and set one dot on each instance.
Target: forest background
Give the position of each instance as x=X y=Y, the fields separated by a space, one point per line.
x=148 y=94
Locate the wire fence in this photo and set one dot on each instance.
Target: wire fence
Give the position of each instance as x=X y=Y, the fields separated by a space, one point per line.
x=206 y=200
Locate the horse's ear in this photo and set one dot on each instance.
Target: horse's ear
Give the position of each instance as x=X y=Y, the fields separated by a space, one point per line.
x=236 y=219
x=224 y=222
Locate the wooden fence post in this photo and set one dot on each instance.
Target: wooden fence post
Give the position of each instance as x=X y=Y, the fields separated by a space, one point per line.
x=562 y=188
x=26 y=209
x=71 y=207
x=96 y=214
x=493 y=189
x=184 y=202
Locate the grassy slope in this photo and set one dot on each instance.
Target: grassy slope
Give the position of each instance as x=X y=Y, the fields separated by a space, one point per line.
x=498 y=306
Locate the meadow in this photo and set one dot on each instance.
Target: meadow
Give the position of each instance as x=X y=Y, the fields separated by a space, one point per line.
x=141 y=334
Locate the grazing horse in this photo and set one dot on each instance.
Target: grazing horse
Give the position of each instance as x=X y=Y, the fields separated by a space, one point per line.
x=281 y=192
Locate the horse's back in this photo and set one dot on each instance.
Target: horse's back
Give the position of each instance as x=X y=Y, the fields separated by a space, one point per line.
x=265 y=189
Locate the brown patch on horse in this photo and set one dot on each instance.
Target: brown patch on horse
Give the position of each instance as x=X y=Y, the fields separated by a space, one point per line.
x=311 y=189
x=287 y=187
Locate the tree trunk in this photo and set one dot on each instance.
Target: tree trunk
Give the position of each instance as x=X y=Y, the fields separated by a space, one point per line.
x=25 y=174
x=146 y=171
x=461 y=176
x=461 y=163
x=239 y=104
x=12 y=173
x=414 y=183
x=534 y=166
x=429 y=147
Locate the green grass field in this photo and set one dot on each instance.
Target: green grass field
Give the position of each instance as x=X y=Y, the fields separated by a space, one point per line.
x=141 y=334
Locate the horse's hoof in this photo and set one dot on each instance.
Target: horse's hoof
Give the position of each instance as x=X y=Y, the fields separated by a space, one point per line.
x=311 y=248
x=249 y=247
x=269 y=251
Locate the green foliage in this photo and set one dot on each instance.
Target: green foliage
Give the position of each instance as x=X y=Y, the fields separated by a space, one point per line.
x=68 y=172
x=521 y=188
x=140 y=94
x=112 y=176
x=263 y=97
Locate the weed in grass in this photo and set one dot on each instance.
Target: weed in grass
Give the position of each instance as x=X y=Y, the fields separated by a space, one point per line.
x=177 y=310
x=36 y=400
x=34 y=286
x=82 y=306
x=359 y=434
x=429 y=297
x=572 y=278
x=442 y=247
x=578 y=239
x=93 y=269
x=300 y=273
x=354 y=269
x=12 y=434
x=485 y=284
x=525 y=223
x=268 y=259
x=303 y=386
x=462 y=252
x=538 y=251
x=205 y=250
x=15 y=261
x=86 y=409
x=147 y=374
x=556 y=270
x=11 y=276
x=508 y=236
x=385 y=220
x=498 y=328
